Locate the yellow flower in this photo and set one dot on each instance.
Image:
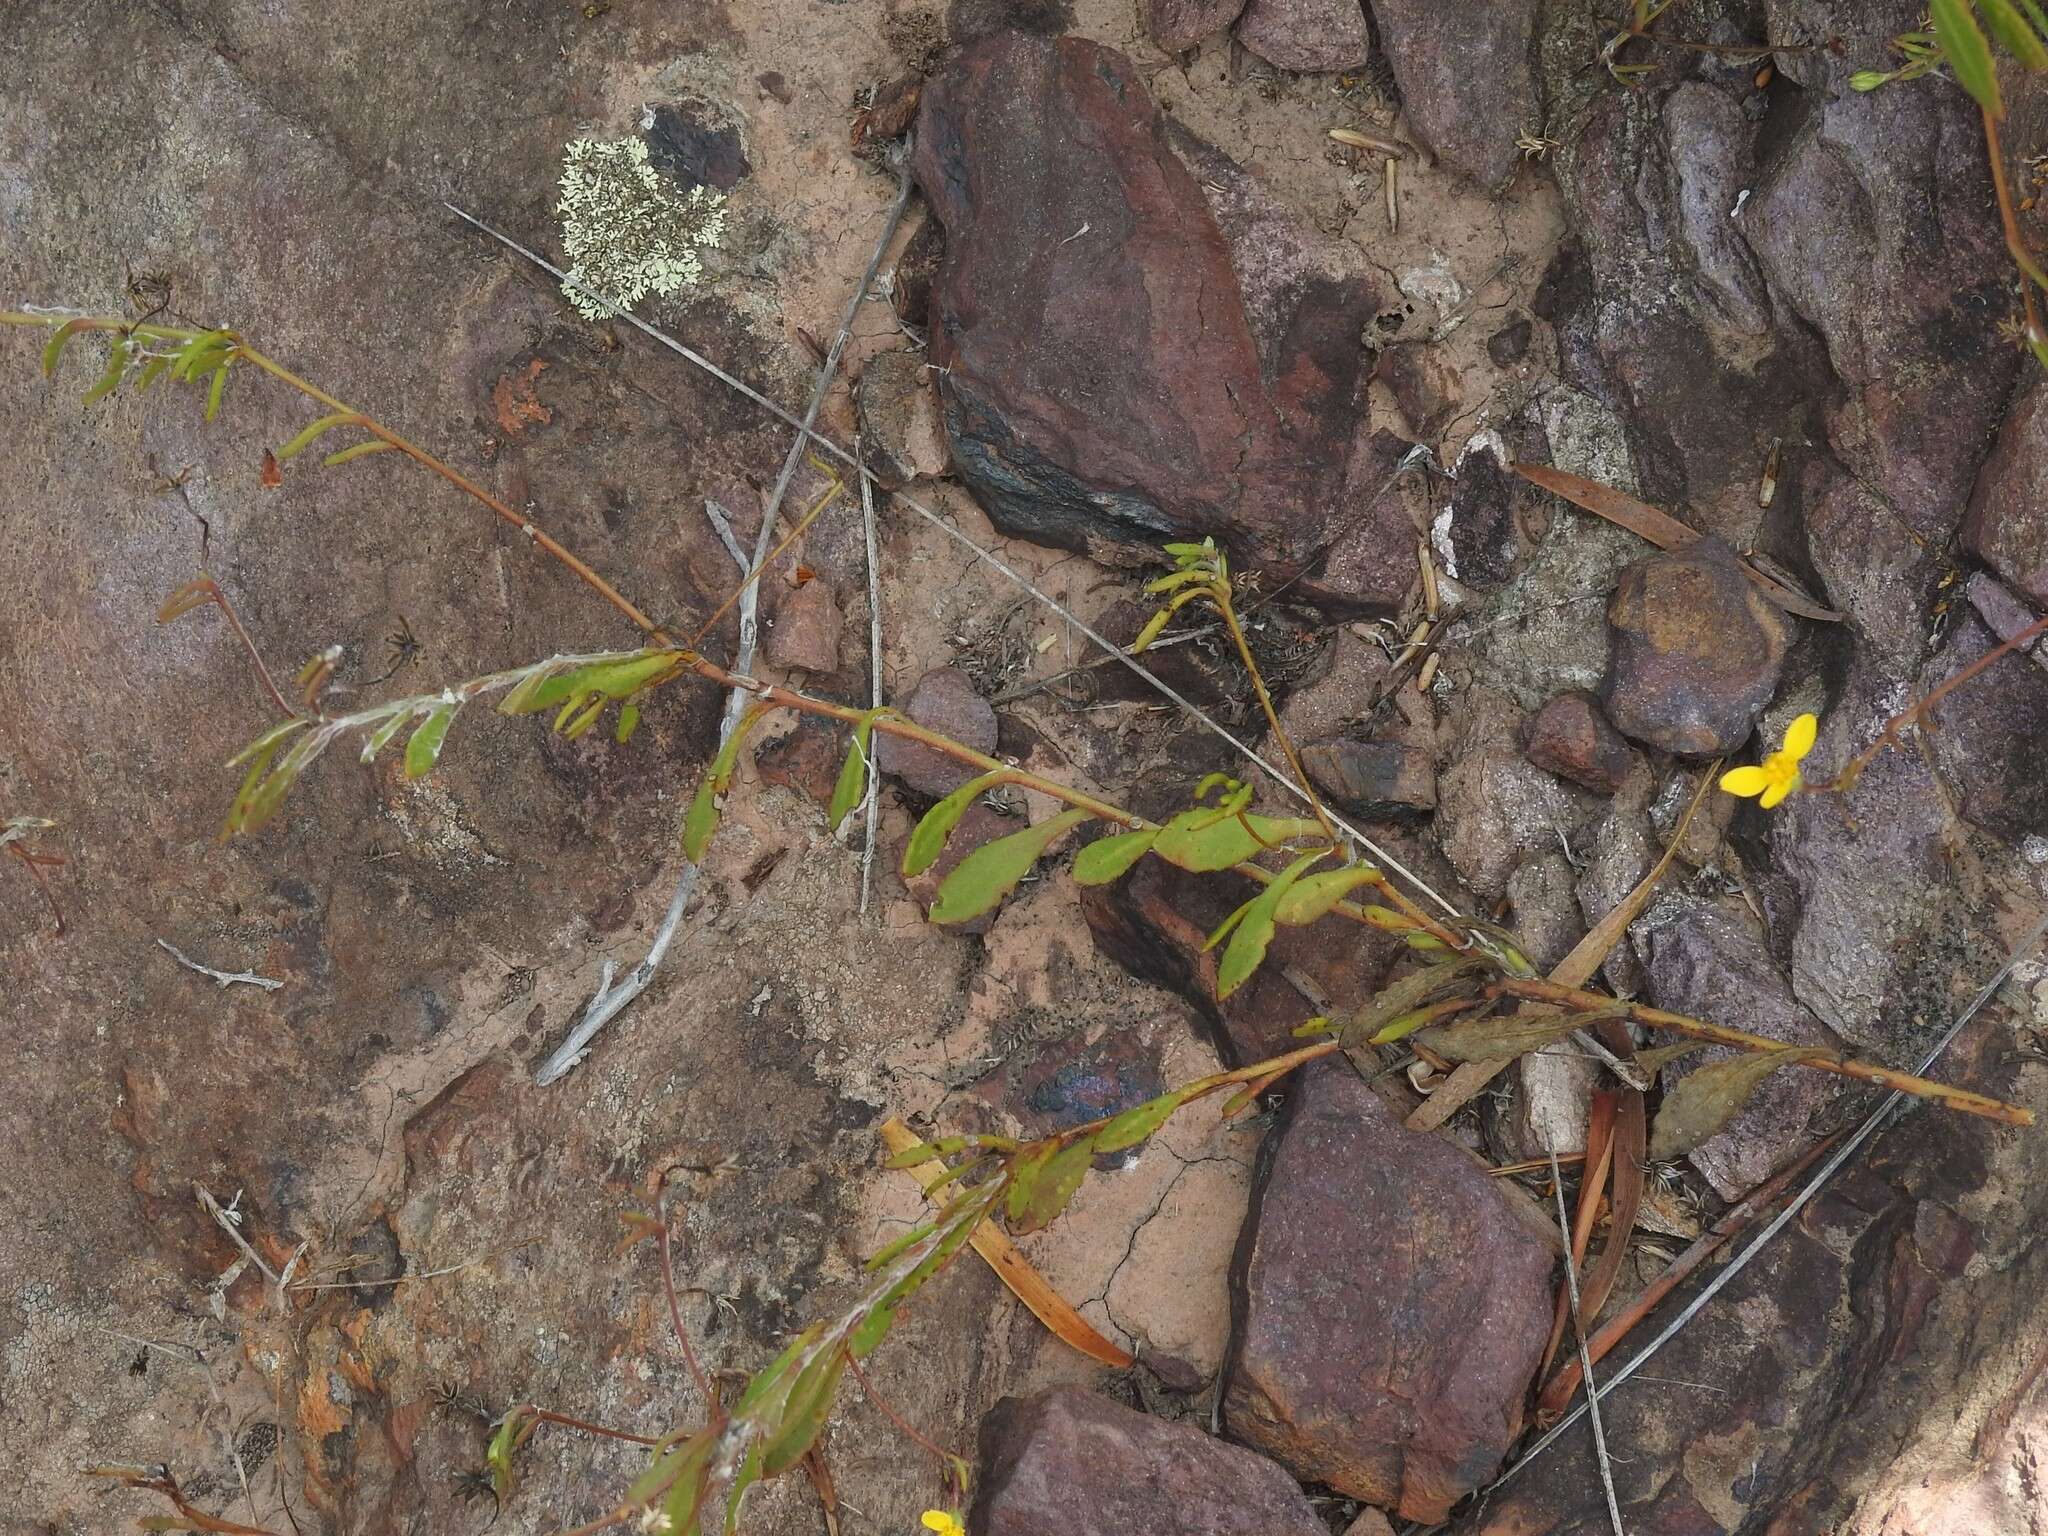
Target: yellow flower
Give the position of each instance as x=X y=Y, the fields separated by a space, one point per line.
x=944 y=1522
x=1778 y=775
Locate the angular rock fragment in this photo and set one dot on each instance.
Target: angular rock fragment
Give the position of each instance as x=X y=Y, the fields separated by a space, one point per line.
x=902 y=438
x=804 y=633
x=1307 y=36
x=1066 y=1461
x=1375 y=779
x=2007 y=525
x=1572 y=739
x=1390 y=1304
x=1696 y=651
x=1103 y=379
x=943 y=700
x=1176 y=25
x=1467 y=73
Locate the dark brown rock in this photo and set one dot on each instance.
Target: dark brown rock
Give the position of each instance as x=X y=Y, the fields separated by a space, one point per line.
x=915 y=272
x=901 y=435
x=805 y=758
x=1467 y=73
x=1696 y=651
x=1105 y=384
x=1510 y=344
x=943 y=700
x=1370 y=564
x=1156 y=920
x=1572 y=739
x=1892 y=189
x=1425 y=391
x=1373 y=778
x=2007 y=525
x=1179 y=24
x=1066 y=1460
x=1484 y=543
x=1391 y=1368
x=1706 y=962
x=1993 y=732
x=804 y=633
x=1308 y=36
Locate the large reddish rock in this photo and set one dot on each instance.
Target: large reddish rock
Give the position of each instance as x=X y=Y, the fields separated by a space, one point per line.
x=1390 y=1306
x=1104 y=380
x=1179 y=24
x=1068 y=1461
x=2007 y=525
x=1467 y=73
x=1696 y=651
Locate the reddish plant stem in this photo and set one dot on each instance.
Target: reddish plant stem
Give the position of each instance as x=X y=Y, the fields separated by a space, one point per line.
x=909 y=1430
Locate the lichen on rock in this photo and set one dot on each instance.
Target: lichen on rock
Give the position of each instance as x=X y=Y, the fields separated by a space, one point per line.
x=626 y=231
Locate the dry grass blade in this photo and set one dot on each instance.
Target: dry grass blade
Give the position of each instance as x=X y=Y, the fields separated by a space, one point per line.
x=1599 y=1154
x=1661 y=529
x=1575 y=970
x=1571 y=1298
x=1025 y=1283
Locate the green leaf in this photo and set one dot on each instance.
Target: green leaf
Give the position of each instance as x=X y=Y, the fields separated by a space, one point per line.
x=676 y=1468
x=1406 y=995
x=1229 y=924
x=267 y=742
x=1314 y=896
x=928 y=837
x=152 y=370
x=1107 y=858
x=702 y=820
x=53 y=349
x=748 y=1475
x=1657 y=1058
x=359 y=451
x=803 y=1418
x=312 y=434
x=110 y=380
x=1024 y=1180
x=1248 y=944
x=583 y=722
x=629 y=722
x=869 y=1332
x=992 y=871
x=1137 y=1122
x=1204 y=840
x=853 y=776
x=1056 y=1185
x=254 y=801
x=929 y=1151
x=382 y=737
x=423 y=748
x=770 y=1379
x=2012 y=30
x=1969 y=55
x=1706 y=1099
x=1869 y=79
x=510 y=1436
x=891 y=1250
x=220 y=388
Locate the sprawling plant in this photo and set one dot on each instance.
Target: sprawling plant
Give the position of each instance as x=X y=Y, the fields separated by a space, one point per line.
x=1471 y=997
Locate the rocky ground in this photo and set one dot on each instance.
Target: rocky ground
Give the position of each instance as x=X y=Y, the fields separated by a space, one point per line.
x=1141 y=293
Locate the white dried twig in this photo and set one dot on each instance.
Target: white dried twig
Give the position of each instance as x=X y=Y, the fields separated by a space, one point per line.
x=231 y=1224
x=869 y=808
x=1571 y=1286
x=222 y=979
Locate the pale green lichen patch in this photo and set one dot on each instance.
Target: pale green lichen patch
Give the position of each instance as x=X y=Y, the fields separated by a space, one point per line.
x=627 y=232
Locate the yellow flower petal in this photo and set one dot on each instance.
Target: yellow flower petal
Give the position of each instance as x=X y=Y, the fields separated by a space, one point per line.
x=1745 y=781
x=1779 y=789
x=1800 y=736
x=945 y=1523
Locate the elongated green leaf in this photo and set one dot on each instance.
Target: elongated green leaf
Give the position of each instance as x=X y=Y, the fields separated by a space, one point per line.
x=869 y=1332
x=267 y=742
x=1024 y=1180
x=1314 y=896
x=1706 y=1099
x=1657 y=1058
x=629 y=722
x=1229 y=924
x=1107 y=858
x=2012 y=30
x=312 y=434
x=890 y=1250
x=583 y=722
x=423 y=747
x=2035 y=15
x=803 y=1418
x=853 y=776
x=1406 y=995
x=1204 y=840
x=110 y=379
x=219 y=389
x=701 y=821
x=383 y=736
x=1151 y=631
x=152 y=370
x=1248 y=944
x=359 y=451
x=1969 y=55
x=992 y=871
x=673 y=1467
x=1056 y=1185
x=928 y=837
x=53 y=349
x=1138 y=1122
